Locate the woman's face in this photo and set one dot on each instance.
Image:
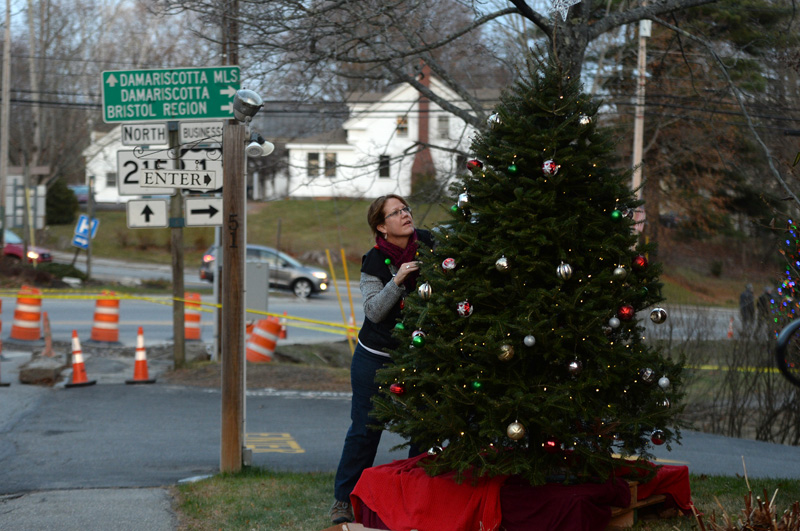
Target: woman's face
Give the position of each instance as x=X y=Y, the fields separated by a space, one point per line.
x=397 y=221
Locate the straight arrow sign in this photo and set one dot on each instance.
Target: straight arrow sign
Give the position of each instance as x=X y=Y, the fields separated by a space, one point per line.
x=147 y=213
x=203 y=211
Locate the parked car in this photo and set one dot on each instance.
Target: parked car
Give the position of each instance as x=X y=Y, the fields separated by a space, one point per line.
x=284 y=271
x=81 y=192
x=14 y=248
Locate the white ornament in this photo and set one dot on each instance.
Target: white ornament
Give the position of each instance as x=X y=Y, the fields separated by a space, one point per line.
x=529 y=341
x=464 y=309
x=562 y=6
x=663 y=382
x=463 y=199
x=613 y=322
x=494 y=120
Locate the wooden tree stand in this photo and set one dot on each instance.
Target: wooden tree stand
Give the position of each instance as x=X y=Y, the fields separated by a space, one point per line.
x=625 y=517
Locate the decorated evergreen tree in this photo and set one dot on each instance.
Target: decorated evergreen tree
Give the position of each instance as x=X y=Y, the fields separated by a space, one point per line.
x=523 y=350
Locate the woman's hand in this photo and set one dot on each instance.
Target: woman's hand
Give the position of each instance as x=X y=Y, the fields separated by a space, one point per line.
x=404 y=270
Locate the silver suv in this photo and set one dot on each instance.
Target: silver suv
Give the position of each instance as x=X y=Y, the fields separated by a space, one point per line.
x=284 y=271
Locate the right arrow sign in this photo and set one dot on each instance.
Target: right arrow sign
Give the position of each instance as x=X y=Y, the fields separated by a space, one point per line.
x=203 y=211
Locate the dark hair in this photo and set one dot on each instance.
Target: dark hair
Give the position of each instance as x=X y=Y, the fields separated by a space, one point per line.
x=375 y=215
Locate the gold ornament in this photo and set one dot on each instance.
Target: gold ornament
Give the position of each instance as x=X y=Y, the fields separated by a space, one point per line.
x=506 y=352
x=515 y=431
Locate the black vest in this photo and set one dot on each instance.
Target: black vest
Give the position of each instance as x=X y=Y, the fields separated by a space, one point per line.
x=378 y=336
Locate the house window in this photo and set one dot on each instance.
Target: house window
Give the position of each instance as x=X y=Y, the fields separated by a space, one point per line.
x=402 y=126
x=443 y=127
x=383 y=166
x=111 y=179
x=313 y=165
x=330 y=165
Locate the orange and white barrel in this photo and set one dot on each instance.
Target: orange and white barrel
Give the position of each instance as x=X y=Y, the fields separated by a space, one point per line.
x=27 y=315
x=261 y=344
x=191 y=316
x=106 y=319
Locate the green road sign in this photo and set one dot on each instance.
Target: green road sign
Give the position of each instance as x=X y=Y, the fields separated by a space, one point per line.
x=169 y=94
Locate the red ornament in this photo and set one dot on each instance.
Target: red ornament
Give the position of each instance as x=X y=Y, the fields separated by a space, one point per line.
x=658 y=438
x=550 y=167
x=474 y=164
x=551 y=446
x=398 y=389
x=626 y=312
x=640 y=262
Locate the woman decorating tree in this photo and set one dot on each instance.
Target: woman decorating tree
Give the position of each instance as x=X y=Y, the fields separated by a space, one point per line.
x=388 y=272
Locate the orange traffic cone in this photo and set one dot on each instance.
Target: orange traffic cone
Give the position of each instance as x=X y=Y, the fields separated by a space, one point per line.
x=105 y=328
x=27 y=316
x=352 y=333
x=78 y=370
x=261 y=344
x=730 y=329
x=282 y=334
x=191 y=316
x=140 y=365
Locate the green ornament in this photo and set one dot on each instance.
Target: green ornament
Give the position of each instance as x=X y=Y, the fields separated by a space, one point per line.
x=418 y=341
x=454 y=208
x=387 y=261
x=616 y=215
x=512 y=168
x=400 y=326
x=476 y=385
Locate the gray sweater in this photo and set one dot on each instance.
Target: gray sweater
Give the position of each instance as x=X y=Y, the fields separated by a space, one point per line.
x=379 y=299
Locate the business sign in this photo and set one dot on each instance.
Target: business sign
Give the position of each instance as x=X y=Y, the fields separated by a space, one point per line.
x=169 y=94
x=200 y=133
x=147 y=213
x=202 y=211
x=144 y=135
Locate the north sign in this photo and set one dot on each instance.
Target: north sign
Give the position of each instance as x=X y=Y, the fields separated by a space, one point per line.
x=169 y=94
x=144 y=134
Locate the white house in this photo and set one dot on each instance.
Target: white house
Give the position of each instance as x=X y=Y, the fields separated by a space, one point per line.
x=378 y=148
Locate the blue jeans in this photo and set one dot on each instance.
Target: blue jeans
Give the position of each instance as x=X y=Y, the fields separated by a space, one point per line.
x=361 y=442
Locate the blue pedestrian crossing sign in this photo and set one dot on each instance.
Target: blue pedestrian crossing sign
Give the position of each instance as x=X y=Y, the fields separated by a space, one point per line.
x=83 y=231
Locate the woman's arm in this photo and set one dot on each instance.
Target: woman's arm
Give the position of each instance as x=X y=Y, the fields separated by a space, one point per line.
x=378 y=299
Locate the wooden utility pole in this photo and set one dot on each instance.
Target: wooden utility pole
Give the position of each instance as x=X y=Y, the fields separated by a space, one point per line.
x=638 y=125
x=233 y=253
x=176 y=223
x=4 y=117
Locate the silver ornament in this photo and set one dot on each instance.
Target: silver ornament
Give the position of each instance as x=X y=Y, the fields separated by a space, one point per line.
x=435 y=450
x=585 y=120
x=464 y=308
x=620 y=273
x=575 y=367
x=424 y=291
x=648 y=375
x=506 y=353
x=613 y=322
x=494 y=120
x=564 y=271
x=658 y=315
x=529 y=340
x=501 y=264
x=664 y=402
x=515 y=431
x=663 y=382
x=463 y=199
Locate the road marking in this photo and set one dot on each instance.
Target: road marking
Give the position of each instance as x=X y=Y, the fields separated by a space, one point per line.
x=280 y=443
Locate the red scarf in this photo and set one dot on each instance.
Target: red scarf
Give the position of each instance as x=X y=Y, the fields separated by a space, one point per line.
x=399 y=256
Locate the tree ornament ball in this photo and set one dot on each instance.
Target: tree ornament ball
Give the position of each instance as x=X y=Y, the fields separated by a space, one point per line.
x=454 y=209
x=647 y=375
x=658 y=438
x=616 y=215
x=585 y=120
x=506 y=353
x=501 y=264
x=435 y=450
x=418 y=338
x=620 y=273
x=474 y=165
x=663 y=382
x=529 y=340
x=512 y=168
x=400 y=326
x=494 y=120
x=463 y=200
x=476 y=385
x=551 y=446
x=425 y=291
x=564 y=271
x=449 y=264
x=515 y=431
x=664 y=403
x=550 y=167
x=658 y=315
x=614 y=322
x=464 y=308
x=640 y=262
x=397 y=389
x=388 y=261
x=575 y=367
x=626 y=312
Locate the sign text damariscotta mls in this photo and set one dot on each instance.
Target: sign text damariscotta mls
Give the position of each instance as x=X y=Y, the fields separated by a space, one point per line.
x=169 y=94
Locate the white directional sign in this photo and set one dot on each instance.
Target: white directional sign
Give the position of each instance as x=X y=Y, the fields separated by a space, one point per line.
x=203 y=159
x=147 y=213
x=131 y=164
x=200 y=133
x=184 y=179
x=145 y=134
x=203 y=211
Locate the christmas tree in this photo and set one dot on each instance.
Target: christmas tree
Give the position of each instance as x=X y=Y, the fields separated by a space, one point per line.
x=523 y=349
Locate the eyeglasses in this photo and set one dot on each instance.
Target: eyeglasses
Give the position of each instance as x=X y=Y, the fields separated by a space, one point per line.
x=406 y=210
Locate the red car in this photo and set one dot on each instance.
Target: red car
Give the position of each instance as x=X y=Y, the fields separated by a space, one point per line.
x=14 y=248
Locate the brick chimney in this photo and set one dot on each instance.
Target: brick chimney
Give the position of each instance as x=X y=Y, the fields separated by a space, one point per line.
x=422 y=170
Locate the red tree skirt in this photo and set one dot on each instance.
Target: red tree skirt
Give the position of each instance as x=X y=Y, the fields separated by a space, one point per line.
x=400 y=496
